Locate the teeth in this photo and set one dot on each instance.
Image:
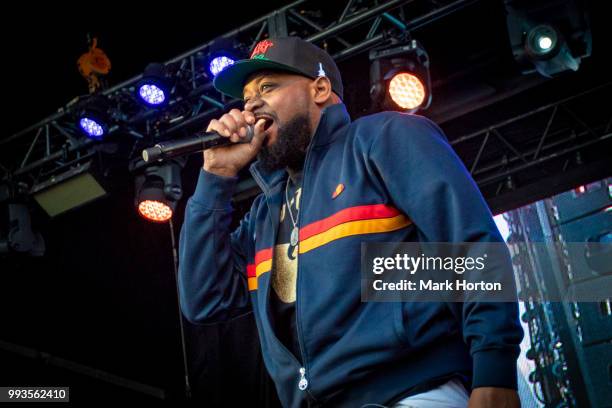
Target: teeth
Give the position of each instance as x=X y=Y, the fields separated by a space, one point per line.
x=268 y=122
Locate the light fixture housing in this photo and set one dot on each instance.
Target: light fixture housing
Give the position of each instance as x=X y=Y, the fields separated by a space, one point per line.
x=548 y=37
x=158 y=189
x=154 y=87
x=69 y=190
x=221 y=53
x=20 y=237
x=399 y=77
x=93 y=116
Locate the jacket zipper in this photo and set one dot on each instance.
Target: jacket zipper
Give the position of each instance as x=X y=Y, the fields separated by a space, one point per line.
x=302 y=380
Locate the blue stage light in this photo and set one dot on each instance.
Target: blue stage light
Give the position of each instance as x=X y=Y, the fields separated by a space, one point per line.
x=92 y=129
x=152 y=94
x=219 y=63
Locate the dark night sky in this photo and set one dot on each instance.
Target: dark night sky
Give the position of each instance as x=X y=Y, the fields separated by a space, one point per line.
x=40 y=52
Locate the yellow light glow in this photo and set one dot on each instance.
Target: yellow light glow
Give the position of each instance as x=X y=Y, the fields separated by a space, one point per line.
x=406 y=90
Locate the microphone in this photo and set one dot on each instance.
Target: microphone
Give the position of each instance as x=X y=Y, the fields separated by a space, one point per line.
x=197 y=143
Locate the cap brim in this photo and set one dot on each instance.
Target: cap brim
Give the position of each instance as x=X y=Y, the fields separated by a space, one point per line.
x=232 y=79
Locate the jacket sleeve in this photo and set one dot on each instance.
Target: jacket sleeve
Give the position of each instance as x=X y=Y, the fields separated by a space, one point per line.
x=428 y=182
x=212 y=277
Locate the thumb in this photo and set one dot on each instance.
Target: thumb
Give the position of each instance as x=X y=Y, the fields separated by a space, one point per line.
x=258 y=134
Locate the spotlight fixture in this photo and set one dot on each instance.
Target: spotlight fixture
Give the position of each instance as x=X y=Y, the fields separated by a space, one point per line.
x=549 y=37
x=154 y=87
x=158 y=189
x=93 y=116
x=542 y=40
x=221 y=54
x=399 y=77
x=219 y=63
x=71 y=189
x=21 y=238
x=93 y=128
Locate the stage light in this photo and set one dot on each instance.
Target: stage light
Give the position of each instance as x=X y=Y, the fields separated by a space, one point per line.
x=219 y=63
x=399 y=77
x=545 y=43
x=549 y=37
x=152 y=203
x=71 y=189
x=152 y=94
x=154 y=87
x=542 y=40
x=92 y=115
x=406 y=90
x=21 y=238
x=158 y=189
x=220 y=54
x=92 y=128
x=155 y=210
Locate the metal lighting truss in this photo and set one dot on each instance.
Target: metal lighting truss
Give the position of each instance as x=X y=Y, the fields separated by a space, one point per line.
x=345 y=29
x=500 y=157
x=544 y=142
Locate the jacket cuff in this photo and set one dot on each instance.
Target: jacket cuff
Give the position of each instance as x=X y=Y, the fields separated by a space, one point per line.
x=494 y=368
x=213 y=191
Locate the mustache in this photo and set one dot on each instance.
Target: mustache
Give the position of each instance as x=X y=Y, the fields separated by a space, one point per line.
x=265 y=115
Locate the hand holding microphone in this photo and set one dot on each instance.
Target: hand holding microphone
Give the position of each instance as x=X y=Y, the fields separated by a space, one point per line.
x=227 y=160
x=229 y=143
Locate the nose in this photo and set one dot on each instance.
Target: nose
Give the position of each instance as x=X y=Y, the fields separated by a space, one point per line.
x=254 y=103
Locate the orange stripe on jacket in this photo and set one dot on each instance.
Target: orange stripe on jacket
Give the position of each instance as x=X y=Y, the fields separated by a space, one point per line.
x=263 y=264
x=363 y=219
x=360 y=212
x=371 y=226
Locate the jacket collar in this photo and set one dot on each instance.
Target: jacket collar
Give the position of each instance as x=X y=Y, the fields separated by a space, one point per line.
x=333 y=119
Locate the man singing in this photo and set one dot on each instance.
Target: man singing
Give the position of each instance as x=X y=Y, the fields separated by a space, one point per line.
x=328 y=185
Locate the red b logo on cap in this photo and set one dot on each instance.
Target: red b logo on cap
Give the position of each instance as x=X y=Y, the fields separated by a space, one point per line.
x=261 y=47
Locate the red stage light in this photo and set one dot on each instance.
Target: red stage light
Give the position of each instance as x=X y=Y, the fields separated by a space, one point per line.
x=156 y=211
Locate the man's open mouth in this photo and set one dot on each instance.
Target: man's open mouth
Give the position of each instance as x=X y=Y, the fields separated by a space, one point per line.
x=269 y=121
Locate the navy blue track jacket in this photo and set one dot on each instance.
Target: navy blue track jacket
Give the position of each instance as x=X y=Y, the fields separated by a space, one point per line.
x=387 y=177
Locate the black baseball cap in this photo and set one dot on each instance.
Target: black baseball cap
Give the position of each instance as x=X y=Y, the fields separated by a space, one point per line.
x=291 y=54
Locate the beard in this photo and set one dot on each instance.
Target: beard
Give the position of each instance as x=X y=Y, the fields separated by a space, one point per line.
x=290 y=147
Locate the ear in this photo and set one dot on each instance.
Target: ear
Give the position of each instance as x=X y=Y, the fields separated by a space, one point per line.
x=322 y=90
